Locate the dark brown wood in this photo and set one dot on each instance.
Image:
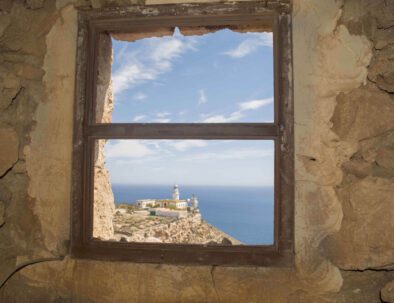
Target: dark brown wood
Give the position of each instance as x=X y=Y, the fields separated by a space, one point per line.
x=94 y=23
x=184 y=254
x=80 y=120
x=285 y=147
x=233 y=131
x=140 y=24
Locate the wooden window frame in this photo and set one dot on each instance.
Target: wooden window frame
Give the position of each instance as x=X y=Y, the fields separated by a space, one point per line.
x=86 y=131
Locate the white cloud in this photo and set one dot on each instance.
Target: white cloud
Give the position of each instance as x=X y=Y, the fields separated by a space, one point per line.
x=139 y=118
x=132 y=150
x=129 y=74
x=255 y=104
x=127 y=149
x=231 y=154
x=240 y=113
x=186 y=144
x=202 y=98
x=151 y=61
x=140 y=96
x=168 y=48
x=235 y=116
x=162 y=117
x=162 y=114
x=162 y=120
x=137 y=161
x=251 y=44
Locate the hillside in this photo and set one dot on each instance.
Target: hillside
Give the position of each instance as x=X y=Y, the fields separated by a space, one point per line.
x=139 y=226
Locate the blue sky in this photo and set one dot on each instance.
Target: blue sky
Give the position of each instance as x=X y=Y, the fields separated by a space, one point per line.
x=191 y=162
x=218 y=77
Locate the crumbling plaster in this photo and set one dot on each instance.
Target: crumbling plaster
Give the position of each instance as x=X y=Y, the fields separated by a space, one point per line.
x=49 y=154
x=364 y=117
x=343 y=161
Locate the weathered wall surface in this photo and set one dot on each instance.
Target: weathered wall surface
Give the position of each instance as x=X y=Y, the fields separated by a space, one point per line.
x=328 y=60
x=364 y=118
x=343 y=68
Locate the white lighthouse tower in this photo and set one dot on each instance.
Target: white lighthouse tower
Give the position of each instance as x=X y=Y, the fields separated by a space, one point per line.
x=175 y=192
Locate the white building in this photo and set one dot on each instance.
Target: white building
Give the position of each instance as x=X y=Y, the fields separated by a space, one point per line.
x=179 y=204
x=144 y=203
x=194 y=202
x=174 y=203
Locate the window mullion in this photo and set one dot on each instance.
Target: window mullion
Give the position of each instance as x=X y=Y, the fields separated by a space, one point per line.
x=184 y=131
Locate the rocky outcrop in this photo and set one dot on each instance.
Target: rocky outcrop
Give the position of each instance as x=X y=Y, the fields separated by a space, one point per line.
x=140 y=227
x=104 y=205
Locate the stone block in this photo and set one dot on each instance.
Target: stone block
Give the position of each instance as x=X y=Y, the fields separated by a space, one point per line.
x=366 y=238
x=387 y=293
x=34 y=4
x=355 y=116
x=383 y=38
x=381 y=68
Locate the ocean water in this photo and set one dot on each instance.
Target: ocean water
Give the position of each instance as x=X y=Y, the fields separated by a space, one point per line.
x=245 y=213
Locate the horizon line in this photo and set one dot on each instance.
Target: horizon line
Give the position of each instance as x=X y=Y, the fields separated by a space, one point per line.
x=179 y=185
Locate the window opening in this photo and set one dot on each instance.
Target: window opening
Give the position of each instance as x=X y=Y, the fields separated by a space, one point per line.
x=218 y=77
x=179 y=119
x=187 y=191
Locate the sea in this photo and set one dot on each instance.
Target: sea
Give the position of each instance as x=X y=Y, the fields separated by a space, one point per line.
x=245 y=213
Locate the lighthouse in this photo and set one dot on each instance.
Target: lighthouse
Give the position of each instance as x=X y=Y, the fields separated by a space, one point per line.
x=175 y=193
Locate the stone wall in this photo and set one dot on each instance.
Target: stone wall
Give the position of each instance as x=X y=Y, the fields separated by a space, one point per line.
x=344 y=134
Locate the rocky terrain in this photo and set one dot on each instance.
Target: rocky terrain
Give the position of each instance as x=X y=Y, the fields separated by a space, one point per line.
x=139 y=226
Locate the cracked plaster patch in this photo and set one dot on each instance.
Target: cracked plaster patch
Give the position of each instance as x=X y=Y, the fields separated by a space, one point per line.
x=8 y=149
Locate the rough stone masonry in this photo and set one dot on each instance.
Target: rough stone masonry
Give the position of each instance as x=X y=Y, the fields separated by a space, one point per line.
x=344 y=137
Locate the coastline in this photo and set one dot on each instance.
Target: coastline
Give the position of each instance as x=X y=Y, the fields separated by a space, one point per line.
x=140 y=226
x=246 y=213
